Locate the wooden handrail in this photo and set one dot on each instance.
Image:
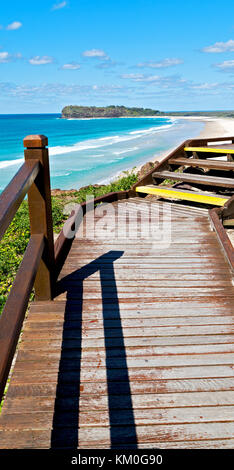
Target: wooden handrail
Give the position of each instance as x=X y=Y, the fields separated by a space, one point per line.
x=37 y=266
x=218 y=216
x=203 y=141
x=14 y=311
x=15 y=192
x=40 y=213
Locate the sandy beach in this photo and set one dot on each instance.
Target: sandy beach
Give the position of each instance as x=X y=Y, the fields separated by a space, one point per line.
x=213 y=127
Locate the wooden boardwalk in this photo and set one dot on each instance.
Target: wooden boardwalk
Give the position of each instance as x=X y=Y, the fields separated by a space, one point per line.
x=137 y=349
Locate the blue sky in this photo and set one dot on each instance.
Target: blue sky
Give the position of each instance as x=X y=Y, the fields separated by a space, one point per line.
x=171 y=55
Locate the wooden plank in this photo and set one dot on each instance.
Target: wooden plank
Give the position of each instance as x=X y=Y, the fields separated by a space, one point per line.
x=89 y=374
x=43 y=344
x=221 y=149
x=209 y=164
x=98 y=389
x=97 y=323
x=88 y=354
x=206 y=444
x=187 y=195
x=150 y=293
x=145 y=434
x=99 y=403
x=94 y=419
x=134 y=362
x=129 y=309
x=193 y=178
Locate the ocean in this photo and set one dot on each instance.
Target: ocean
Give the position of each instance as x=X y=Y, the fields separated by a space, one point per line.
x=91 y=151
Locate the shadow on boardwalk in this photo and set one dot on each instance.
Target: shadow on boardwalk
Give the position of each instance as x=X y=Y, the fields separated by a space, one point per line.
x=65 y=433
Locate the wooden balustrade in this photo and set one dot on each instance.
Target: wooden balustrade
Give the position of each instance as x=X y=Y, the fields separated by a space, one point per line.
x=220 y=218
x=37 y=266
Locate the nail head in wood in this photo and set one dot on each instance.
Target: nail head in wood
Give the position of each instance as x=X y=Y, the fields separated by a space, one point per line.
x=35 y=141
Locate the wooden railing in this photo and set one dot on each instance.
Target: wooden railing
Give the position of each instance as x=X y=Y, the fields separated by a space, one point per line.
x=177 y=152
x=220 y=218
x=43 y=259
x=37 y=266
x=204 y=141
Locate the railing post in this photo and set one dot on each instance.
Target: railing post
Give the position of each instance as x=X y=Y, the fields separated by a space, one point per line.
x=40 y=213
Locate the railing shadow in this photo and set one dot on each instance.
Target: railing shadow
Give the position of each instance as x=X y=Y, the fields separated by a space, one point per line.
x=65 y=433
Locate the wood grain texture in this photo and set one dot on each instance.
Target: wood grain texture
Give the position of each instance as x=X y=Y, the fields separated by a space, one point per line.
x=197 y=179
x=209 y=164
x=15 y=192
x=14 y=310
x=137 y=348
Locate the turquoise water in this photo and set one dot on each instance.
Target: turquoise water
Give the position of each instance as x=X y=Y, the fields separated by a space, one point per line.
x=92 y=151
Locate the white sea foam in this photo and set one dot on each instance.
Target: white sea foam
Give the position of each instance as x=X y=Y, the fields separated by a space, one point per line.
x=126 y=151
x=60 y=174
x=106 y=141
x=96 y=143
x=152 y=130
x=6 y=163
x=95 y=156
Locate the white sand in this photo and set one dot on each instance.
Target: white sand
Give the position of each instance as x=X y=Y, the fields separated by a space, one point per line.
x=214 y=127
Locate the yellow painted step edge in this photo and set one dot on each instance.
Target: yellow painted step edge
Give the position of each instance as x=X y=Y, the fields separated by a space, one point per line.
x=169 y=193
x=208 y=149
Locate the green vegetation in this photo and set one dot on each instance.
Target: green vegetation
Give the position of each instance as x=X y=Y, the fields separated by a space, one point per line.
x=14 y=243
x=121 y=111
x=219 y=114
x=105 y=112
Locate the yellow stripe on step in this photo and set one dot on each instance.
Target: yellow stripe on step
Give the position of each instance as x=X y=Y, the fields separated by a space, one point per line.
x=187 y=196
x=208 y=149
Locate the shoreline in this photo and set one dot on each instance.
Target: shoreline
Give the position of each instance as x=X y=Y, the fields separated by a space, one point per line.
x=213 y=127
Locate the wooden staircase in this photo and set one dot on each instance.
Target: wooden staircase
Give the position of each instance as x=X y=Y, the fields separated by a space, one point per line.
x=192 y=170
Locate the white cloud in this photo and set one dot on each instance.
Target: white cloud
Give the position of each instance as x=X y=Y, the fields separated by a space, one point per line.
x=140 y=77
x=13 y=26
x=160 y=82
x=58 y=6
x=98 y=53
x=226 y=66
x=220 y=47
x=162 y=64
x=205 y=86
x=37 y=60
x=71 y=66
x=52 y=90
x=133 y=76
x=4 y=57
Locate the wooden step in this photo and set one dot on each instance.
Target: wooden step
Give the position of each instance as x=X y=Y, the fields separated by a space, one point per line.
x=197 y=179
x=221 y=150
x=209 y=164
x=172 y=193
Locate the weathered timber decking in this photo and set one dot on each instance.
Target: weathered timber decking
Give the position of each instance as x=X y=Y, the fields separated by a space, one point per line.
x=137 y=349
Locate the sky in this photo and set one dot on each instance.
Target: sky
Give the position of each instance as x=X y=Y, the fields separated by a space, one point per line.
x=166 y=55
